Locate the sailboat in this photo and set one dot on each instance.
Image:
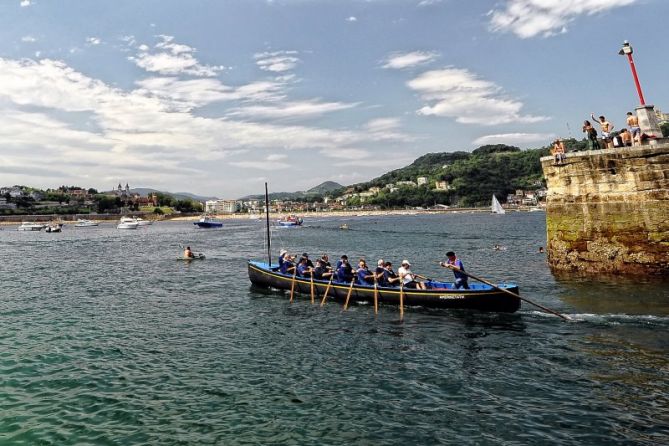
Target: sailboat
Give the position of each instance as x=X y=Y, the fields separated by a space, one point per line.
x=496 y=207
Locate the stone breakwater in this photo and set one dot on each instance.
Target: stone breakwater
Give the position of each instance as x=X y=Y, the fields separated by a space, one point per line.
x=607 y=211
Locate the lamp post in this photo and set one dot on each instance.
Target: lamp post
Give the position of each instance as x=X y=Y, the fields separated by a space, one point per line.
x=645 y=113
x=628 y=50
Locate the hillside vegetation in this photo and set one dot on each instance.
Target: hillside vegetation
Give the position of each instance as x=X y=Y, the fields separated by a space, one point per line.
x=472 y=178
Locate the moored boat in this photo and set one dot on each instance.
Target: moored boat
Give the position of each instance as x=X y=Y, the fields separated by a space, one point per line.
x=127 y=223
x=141 y=222
x=479 y=297
x=83 y=223
x=53 y=228
x=207 y=221
x=30 y=226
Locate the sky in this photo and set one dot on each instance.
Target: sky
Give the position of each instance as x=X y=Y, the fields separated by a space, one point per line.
x=215 y=97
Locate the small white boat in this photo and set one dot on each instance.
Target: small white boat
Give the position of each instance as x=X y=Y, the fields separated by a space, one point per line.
x=127 y=223
x=83 y=223
x=30 y=226
x=143 y=222
x=54 y=228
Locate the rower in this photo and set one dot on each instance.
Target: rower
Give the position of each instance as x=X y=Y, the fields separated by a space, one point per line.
x=460 y=276
x=344 y=270
x=390 y=277
x=303 y=268
x=365 y=276
x=408 y=277
x=288 y=265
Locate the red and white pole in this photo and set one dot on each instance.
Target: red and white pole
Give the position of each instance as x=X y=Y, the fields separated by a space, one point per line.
x=636 y=78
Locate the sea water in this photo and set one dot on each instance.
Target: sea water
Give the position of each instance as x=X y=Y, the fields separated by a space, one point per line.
x=106 y=339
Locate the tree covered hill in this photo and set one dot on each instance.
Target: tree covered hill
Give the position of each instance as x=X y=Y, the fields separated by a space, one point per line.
x=472 y=178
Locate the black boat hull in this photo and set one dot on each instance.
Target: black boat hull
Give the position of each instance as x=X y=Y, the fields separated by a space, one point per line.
x=480 y=297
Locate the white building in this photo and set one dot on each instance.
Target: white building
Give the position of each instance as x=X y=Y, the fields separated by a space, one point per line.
x=421 y=181
x=441 y=185
x=221 y=206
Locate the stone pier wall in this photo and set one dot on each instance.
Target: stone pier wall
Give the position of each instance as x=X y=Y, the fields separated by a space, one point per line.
x=608 y=211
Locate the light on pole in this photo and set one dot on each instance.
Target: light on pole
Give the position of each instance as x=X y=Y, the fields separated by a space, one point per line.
x=628 y=50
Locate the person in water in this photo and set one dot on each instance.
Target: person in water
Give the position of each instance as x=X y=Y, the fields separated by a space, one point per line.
x=541 y=249
x=460 y=277
x=408 y=278
x=188 y=254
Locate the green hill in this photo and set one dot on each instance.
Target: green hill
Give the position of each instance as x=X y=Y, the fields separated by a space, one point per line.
x=472 y=178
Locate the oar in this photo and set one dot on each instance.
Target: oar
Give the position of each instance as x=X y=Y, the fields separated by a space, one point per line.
x=548 y=310
x=327 y=290
x=376 y=296
x=350 y=290
x=292 y=285
x=401 y=299
x=312 y=287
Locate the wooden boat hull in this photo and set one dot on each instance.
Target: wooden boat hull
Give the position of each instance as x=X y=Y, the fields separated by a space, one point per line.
x=480 y=297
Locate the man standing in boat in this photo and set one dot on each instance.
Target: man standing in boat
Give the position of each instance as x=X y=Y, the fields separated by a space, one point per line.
x=460 y=276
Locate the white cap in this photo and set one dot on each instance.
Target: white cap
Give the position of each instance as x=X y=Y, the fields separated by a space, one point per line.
x=282 y=252
x=406 y=262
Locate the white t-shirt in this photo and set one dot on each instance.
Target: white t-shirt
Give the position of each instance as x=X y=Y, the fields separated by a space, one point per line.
x=406 y=273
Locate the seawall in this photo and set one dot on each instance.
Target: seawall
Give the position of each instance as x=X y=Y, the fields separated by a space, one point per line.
x=607 y=211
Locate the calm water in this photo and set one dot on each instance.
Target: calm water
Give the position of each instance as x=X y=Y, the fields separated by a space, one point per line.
x=107 y=339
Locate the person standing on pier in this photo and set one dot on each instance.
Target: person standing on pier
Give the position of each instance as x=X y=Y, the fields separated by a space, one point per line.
x=607 y=128
x=633 y=124
x=591 y=135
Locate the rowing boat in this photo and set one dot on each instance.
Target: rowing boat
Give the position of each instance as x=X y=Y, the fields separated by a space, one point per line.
x=479 y=297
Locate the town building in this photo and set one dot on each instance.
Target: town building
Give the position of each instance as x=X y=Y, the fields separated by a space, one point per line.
x=222 y=206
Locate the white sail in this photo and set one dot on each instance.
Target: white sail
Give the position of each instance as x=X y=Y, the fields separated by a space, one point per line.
x=496 y=207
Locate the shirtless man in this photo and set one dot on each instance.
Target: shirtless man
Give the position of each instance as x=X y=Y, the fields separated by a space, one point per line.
x=188 y=254
x=607 y=128
x=633 y=124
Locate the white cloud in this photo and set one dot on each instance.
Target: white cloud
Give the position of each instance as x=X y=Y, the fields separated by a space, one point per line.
x=429 y=2
x=28 y=39
x=351 y=19
x=169 y=58
x=382 y=125
x=515 y=138
x=530 y=18
x=350 y=154
x=277 y=61
x=459 y=94
x=93 y=41
x=290 y=110
x=269 y=163
x=400 y=61
x=25 y=3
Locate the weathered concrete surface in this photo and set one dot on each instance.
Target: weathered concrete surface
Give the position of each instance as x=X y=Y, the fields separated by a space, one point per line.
x=608 y=211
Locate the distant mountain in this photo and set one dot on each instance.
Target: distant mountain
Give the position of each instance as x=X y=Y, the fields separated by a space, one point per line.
x=321 y=189
x=144 y=191
x=324 y=188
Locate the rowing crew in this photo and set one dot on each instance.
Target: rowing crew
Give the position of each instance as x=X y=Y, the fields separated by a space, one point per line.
x=383 y=275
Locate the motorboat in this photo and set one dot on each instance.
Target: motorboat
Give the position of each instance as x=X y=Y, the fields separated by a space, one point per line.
x=207 y=222
x=127 y=223
x=30 y=226
x=83 y=223
x=54 y=227
x=291 y=220
x=143 y=222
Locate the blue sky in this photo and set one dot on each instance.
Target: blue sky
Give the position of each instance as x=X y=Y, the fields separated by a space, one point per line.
x=217 y=96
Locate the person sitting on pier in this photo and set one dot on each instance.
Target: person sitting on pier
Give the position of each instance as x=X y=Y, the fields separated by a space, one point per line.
x=390 y=277
x=558 y=151
x=321 y=272
x=365 y=276
x=460 y=277
x=626 y=138
x=408 y=278
x=344 y=270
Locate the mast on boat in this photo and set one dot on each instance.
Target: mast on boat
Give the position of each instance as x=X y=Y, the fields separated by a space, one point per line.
x=269 y=248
